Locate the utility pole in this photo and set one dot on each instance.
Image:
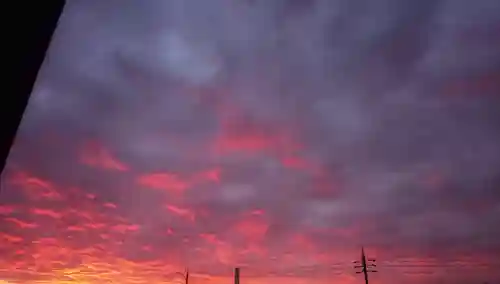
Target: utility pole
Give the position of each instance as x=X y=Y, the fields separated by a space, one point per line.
x=237 y=275
x=366 y=265
x=186 y=279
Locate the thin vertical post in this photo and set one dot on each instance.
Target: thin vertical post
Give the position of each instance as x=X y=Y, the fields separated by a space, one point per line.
x=237 y=275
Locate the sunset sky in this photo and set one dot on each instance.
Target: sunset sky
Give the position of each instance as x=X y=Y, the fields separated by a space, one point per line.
x=275 y=135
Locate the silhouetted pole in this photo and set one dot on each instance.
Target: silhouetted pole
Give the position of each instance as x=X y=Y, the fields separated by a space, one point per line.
x=364 y=265
x=237 y=275
x=185 y=275
x=363 y=259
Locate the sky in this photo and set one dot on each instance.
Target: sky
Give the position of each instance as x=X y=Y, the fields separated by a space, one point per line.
x=278 y=136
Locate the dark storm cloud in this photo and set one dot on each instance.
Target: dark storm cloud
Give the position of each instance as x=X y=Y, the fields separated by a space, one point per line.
x=370 y=89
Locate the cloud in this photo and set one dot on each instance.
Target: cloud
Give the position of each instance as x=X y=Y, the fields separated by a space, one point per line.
x=276 y=135
x=95 y=155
